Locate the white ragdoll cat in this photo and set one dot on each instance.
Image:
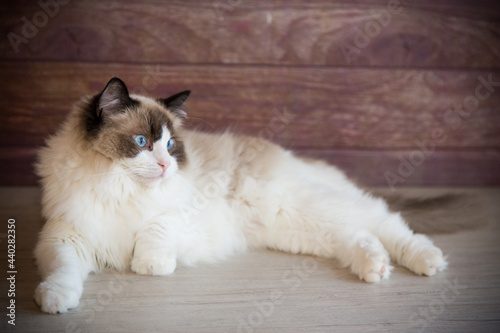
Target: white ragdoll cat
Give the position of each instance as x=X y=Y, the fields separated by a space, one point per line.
x=126 y=187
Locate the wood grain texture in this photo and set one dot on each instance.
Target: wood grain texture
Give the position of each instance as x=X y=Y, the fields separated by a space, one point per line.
x=249 y=62
x=331 y=113
x=365 y=167
x=270 y=291
x=416 y=34
x=328 y=107
x=396 y=168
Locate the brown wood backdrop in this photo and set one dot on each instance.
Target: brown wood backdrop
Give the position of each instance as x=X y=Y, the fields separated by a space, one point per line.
x=369 y=112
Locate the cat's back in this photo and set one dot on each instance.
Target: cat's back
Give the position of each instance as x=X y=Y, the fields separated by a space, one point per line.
x=230 y=153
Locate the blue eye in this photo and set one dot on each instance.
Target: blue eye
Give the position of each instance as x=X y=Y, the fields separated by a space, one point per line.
x=170 y=144
x=141 y=140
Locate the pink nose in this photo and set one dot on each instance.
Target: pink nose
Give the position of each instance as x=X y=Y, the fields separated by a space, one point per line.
x=164 y=165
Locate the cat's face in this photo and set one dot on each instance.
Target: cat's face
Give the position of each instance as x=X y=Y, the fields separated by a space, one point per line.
x=139 y=133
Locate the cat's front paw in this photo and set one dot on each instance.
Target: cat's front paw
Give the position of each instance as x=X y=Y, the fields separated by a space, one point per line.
x=153 y=266
x=55 y=299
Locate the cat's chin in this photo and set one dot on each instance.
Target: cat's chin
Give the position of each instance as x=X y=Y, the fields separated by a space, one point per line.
x=151 y=180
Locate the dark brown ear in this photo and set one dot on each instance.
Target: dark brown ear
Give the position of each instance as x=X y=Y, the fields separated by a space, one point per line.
x=113 y=99
x=175 y=103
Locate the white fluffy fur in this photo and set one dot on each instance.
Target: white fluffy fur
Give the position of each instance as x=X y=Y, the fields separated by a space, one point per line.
x=235 y=193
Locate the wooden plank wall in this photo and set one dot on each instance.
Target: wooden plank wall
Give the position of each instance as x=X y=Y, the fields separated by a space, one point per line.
x=391 y=91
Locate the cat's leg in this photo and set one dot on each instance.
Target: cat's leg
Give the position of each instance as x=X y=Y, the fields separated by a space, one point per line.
x=414 y=251
x=368 y=259
x=293 y=214
x=358 y=249
x=155 y=249
x=61 y=262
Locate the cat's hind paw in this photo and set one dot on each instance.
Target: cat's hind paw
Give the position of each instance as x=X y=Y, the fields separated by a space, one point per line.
x=153 y=266
x=370 y=259
x=423 y=257
x=54 y=299
x=430 y=262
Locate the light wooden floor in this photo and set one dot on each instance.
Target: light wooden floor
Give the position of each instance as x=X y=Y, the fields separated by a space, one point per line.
x=268 y=291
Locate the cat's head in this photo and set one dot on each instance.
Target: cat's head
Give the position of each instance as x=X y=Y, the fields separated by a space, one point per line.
x=139 y=133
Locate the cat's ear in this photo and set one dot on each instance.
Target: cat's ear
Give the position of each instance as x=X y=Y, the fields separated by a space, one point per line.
x=114 y=98
x=175 y=103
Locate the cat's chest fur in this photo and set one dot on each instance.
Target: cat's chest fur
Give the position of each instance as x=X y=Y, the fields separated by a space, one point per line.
x=106 y=208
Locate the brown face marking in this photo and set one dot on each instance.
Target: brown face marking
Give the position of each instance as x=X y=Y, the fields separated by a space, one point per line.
x=178 y=151
x=114 y=135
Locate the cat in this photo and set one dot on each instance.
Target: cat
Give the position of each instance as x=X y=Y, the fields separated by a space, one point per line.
x=125 y=186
